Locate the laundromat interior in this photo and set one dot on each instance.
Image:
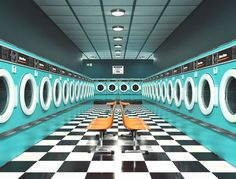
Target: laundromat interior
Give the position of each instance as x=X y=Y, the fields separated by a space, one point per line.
x=116 y=89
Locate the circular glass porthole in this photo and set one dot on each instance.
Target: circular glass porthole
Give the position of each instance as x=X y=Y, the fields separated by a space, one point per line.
x=153 y=91
x=57 y=93
x=72 y=92
x=100 y=87
x=158 y=93
x=28 y=94
x=135 y=87
x=65 y=91
x=77 y=91
x=228 y=95
x=124 y=87
x=205 y=94
x=148 y=91
x=45 y=93
x=163 y=92
x=85 y=90
x=112 y=87
x=7 y=95
x=169 y=92
x=82 y=91
x=189 y=93
x=178 y=92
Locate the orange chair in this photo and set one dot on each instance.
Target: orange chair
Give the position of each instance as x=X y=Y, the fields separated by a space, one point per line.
x=134 y=124
x=101 y=125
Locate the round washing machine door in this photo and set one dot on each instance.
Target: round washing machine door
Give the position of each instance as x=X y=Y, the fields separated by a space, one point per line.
x=124 y=87
x=77 y=91
x=7 y=95
x=82 y=91
x=153 y=91
x=169 y=92
x=178 y=92
x=65 y=91
x=163 y=92
x=206 y=94
x=72 y=92
x=189 y=93
x=228 y=95
x=158 y=91
x=112 y=87
x=57 y=92
x=45 y=93
x=100 y=87
x=135 y=87
x=28 y=94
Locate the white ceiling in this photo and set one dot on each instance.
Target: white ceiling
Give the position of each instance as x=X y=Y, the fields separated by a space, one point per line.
x=147 y=23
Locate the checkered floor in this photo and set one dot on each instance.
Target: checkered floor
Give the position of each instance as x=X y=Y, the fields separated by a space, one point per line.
x=64 y=153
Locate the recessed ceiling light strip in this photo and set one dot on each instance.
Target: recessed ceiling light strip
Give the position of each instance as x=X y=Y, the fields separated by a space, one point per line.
x=158 y=19
x=130 y=24
x=73 y=12
x=105 y=23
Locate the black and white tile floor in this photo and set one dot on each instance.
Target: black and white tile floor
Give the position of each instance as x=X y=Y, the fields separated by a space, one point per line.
x=64 y=153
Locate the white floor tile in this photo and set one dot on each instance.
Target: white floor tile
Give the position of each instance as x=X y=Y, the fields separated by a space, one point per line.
x=218 y=166
x=48 y=142
x=161 y=166
x=180 y=156
x=69 y=175
x=195 y=148
x=59 y=133
x=10 y=175
x=45 y=166
x=88 y=142
x=168 y=142
x=129 y=157
x=171 y=130
x=62 y=148
x=152 y=148
x=104 y=166
x=181 y=137
x=159 y=133
x=72 y=137
x=80 y=156
x=30 y=156
x=131 y=175
x=198 y=175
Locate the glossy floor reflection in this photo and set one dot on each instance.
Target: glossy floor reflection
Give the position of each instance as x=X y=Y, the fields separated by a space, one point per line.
x=64 y=153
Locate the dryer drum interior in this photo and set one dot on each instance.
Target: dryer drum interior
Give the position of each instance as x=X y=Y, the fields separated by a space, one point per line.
x=112 y=87
x=206 y=94
x=230 y=95
x=189 y=93
x=4 y=95
x=135 y=87
x=124 y=87
x=100 y=88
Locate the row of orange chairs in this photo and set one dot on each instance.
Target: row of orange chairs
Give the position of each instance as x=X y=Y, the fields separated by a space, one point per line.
x=132 y=124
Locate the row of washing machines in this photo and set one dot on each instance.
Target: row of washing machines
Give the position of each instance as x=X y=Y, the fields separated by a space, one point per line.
x=209 y=94
x=21 y=89
x=120 y=87
x=205 y=89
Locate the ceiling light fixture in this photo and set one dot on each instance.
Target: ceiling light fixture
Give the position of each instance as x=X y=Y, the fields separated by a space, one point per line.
x=117 y=12
x=117 y=28
x=118 y=38
x=117 y=51
x=117 y=46
x=117 y=56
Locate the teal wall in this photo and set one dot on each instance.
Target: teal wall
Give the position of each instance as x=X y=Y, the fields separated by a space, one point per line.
x=132 y=68
x=25 y=25
x=209 y=26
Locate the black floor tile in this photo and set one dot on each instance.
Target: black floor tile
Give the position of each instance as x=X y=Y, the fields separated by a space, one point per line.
x=190 y=166
x=156 y=156
x=187 y=142
x=225 y=175
x=134 y=166
x=100 y=176
x=37 y=176
x=84 y=148
x=173 y=149
x=55 y=156
x=53 y=137
x=163 y=137
x=68 y=142
x=166 y=176
x=71 y=166
x=147 y=142
x=16 y=166
x=206 y=156
x=39 y=149
x=103 y=157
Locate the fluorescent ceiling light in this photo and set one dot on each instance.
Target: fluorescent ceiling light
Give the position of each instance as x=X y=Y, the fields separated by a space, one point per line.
x=117 y=51
x=118 y=38
x=117 y=46
x=117 y=28
x=117 y=12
